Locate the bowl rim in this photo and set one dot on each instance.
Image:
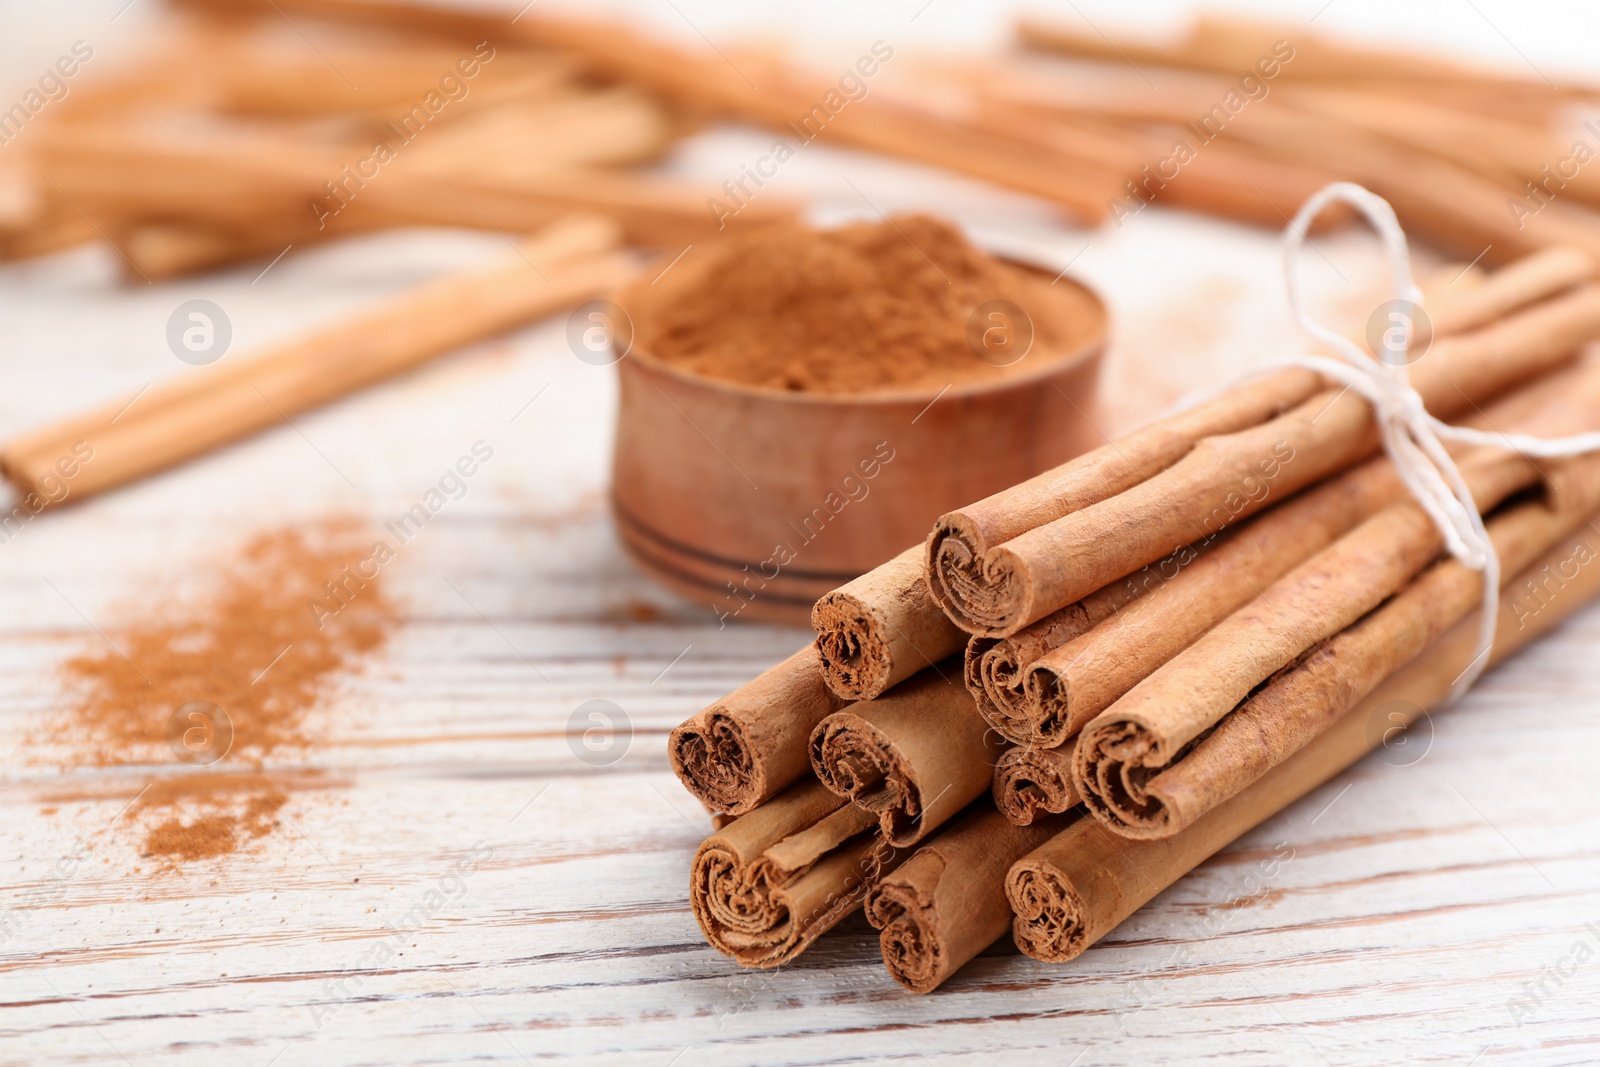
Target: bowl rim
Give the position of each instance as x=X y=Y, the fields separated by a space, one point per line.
x=1050 y=368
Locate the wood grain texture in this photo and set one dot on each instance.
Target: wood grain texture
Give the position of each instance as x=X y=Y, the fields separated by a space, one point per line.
x=1417 y=904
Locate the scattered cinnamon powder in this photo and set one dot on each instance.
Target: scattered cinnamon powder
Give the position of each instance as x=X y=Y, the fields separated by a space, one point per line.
x=294 y=610
x=864 y=308
x=207 y=837
x=219 y=832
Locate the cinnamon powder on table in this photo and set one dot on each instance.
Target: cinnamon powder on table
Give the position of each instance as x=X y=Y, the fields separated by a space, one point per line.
x=284 y=618
x=868 y=307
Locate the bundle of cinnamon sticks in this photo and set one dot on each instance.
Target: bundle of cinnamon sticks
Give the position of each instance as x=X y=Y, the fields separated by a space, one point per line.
x=1080 y=688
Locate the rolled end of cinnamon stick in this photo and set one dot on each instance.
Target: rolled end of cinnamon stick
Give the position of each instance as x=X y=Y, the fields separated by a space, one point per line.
x=947 y=903
x=915 y=757
x=752 y=743
x=856 y=760
x=1048 y=708
x=1026 y=703
x=882 y=628
x=714 y=761
x=1030 y=783
x=36 y=478
x=856 y=661
x=1113 y=761
x=768 y=884
x=976 y=588
x=910 y=938
x=993 y=671
x=1048 y=920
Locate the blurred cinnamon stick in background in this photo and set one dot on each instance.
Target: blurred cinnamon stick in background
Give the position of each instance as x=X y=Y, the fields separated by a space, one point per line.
x=564 y=106
x=569 y=262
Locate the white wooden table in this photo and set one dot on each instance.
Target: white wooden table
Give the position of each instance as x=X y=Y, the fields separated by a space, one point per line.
x=1430 y=913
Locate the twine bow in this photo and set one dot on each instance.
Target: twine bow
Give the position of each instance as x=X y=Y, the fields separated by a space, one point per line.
x=1413 y=439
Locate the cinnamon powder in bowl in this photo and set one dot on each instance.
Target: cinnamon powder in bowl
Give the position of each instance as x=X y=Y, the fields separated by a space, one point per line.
x=860 y=310
x=798 y=405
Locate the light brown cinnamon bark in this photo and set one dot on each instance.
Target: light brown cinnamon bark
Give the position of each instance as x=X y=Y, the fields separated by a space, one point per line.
x=1149 y=728
x=753 y=742
x=1074 y=890
x=1494 y=147
x=947 y=903
x=1457 y=207
x=768 y=884
x=1031 y=782
x=1300 y=703
x=1228 y=477
x=1193 y=589
x=272 y=188
x=963 y=544
x=882 y=628
x=162 y=250
x=753 y=88
x=196 y=412
x=998 y=670
x=1223 y=180
x=914 y=757
x=1184 y=595
x=1517 y=285
x=1231 y=45
x=1236 y=183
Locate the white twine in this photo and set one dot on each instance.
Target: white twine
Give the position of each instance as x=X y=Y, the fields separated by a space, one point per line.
x=1413 y=438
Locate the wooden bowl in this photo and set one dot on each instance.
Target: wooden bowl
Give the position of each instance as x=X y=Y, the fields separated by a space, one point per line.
x=756 y=502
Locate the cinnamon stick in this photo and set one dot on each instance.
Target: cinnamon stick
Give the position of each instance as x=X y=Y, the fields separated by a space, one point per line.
x=754 y=741
x=960 y=573
x=914 y=757
x=1186 y=594
x=159 y=251
x=1030 y=782
x=1228 y=477
x=768 y=884
x=881 y=628
x=1148 y=728
x=1457 y=207
x=176 y=421
x=1232 y=182
x=1074 y=890
x=759 y=90
x=1300 y=703
x=1517 y=285
x=1234 y=45
x=947 y=903
x=114 y=176
x=996 y=669
x=1496 y=148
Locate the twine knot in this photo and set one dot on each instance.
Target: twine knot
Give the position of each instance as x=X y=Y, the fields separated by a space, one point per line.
x=1413 y=438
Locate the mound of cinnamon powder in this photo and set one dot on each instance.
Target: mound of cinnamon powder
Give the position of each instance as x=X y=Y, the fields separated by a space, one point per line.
x=869 y=307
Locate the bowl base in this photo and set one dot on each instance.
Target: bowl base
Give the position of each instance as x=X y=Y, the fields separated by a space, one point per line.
x=731 y=589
